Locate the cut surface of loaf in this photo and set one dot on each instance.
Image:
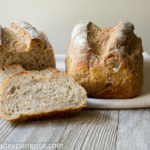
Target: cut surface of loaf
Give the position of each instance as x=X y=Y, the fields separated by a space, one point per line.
x=21 y=43
x=9 y=70
x=33 y=94
x=108 y=62
x=14 y=68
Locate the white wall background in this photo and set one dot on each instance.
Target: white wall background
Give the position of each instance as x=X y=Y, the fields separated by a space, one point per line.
x=57 y=17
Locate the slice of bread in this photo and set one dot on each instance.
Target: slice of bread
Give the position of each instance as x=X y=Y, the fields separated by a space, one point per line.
x=9 y=70
x=34 y=94
x=21 y=43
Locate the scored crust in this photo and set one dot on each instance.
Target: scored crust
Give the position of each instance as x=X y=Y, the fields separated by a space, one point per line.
x=28 y=28
x=29 y=34
x=107 y=62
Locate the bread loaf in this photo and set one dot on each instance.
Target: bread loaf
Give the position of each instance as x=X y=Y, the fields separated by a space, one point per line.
x=108 y=62
x=21 y=43
x=35 y=94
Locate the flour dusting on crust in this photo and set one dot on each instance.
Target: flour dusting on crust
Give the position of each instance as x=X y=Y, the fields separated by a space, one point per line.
x=124 y=27
x=79 y=35
x=119 y=35
x=34 y=34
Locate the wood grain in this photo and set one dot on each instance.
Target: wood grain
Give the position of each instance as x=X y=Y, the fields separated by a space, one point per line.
x=134 y=130
x=5 y=129
x=38 y=131
x=87 y=130
x=91 y=130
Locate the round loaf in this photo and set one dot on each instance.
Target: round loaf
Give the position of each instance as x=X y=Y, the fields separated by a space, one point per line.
x=107 y=62
x=21 y=43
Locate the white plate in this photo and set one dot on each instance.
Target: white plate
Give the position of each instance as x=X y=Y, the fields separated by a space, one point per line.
x=142 y=101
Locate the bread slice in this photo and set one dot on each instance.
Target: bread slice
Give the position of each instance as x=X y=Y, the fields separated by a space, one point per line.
x=34 y=94
x=9 y=70
x=21 y=43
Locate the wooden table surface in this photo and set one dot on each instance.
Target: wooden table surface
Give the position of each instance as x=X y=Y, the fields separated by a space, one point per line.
x=87 y=130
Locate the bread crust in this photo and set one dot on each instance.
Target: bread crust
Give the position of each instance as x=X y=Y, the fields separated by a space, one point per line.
x=27 y=28
x=18 y=66
x=51 y=114
x=45 y=39
x=116 y=71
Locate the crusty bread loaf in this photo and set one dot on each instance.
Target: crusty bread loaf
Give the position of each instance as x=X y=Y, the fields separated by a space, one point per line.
x=34 y=94
x=108 y=62
x=21 y=43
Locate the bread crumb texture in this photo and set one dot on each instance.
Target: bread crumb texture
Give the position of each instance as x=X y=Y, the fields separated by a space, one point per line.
x=33 y=94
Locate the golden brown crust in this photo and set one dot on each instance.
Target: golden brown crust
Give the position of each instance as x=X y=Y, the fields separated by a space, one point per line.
x=111 y=65
x=34 y=42
x=52 y=114
x=7 y=67
x=47 y=43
